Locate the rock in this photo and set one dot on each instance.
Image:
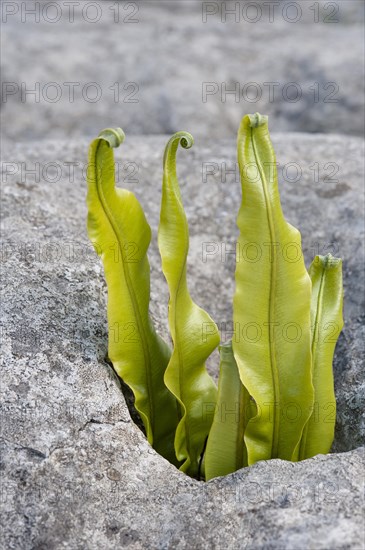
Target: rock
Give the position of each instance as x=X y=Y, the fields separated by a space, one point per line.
x=76 y=471
x=90 y=74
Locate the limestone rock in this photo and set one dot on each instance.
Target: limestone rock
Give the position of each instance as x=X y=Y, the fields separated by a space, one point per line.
x=76 y=471
x=160 y=67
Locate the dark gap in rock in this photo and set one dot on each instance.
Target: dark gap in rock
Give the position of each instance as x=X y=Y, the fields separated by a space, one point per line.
x=129 y=399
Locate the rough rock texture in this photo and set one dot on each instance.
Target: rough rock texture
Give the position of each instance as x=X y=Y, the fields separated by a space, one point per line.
x=161 y=60
x=76 y=471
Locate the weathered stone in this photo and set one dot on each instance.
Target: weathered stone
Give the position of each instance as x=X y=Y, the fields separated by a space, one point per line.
x=76 y=471
x=145 y=65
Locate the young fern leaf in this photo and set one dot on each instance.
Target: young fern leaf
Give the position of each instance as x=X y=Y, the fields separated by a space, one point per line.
x=186 y=375
x=271 y=305
x=226 y=450
x=327 y=322
x=121 y=235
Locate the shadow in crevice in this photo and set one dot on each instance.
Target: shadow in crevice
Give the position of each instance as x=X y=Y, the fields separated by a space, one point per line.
x=128 y=396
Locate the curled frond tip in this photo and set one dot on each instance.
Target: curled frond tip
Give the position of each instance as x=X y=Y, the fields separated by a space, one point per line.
x=257 y=120
x=114 y=136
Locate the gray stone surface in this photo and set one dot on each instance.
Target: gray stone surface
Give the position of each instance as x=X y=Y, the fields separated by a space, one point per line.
x=76 y=471
x=168 y=53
